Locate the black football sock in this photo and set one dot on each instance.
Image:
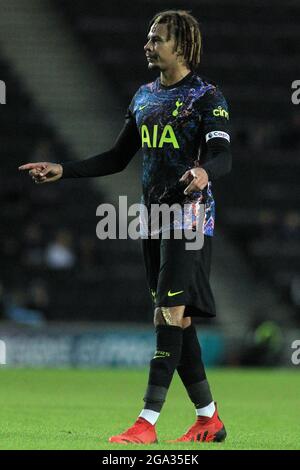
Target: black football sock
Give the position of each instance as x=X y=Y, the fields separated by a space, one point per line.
x=191 y=369
x=163 y=365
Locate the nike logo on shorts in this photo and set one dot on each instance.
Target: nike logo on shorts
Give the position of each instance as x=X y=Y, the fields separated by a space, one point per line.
x=171 y=294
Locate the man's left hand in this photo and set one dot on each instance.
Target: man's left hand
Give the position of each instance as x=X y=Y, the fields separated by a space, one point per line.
x=199 y=180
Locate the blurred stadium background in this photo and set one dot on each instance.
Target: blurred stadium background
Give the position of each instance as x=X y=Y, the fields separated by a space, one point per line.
x=71 y=69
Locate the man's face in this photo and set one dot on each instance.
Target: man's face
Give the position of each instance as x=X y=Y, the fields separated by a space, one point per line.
x=160 y=51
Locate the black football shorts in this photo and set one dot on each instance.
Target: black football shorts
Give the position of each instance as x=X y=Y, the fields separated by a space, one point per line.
x=177 y=276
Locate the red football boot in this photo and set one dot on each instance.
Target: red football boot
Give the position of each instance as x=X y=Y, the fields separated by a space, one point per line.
x=205 y=430
x=142 y=432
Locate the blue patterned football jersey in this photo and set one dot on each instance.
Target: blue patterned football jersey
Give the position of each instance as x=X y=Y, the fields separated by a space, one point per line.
x=175 y=124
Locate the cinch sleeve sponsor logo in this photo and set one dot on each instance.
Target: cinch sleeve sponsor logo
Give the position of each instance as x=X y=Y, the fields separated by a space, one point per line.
x=217 y=134
x=221 y=112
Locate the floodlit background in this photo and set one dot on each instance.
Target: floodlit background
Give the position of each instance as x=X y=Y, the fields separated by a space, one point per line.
x=71 y=69
x=79 y=306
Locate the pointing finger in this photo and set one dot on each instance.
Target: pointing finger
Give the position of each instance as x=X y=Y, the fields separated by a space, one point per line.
x=32 y=166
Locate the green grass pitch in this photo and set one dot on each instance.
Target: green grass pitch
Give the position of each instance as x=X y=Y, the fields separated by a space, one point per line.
x=80 y=409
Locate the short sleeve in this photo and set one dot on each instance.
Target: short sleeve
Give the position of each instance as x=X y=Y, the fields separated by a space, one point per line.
x=214 y=115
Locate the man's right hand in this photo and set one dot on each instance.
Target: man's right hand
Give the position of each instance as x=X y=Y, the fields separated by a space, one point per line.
x=43 y=172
